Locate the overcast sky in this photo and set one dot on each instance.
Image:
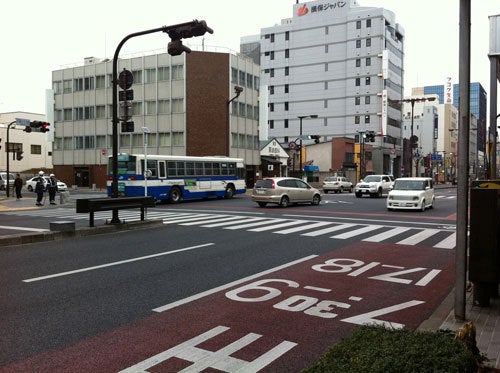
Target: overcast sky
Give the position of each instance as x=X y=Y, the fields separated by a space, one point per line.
x=38 y=37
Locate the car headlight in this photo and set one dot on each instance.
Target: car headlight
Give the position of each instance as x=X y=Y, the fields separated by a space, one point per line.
x=415 y=198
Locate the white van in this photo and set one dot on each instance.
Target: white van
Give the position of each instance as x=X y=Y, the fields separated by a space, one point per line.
x=415 y=193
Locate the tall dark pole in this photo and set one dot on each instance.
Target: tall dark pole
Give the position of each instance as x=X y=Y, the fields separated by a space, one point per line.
x=176 y=33
x=7 y=186
x=463 y=160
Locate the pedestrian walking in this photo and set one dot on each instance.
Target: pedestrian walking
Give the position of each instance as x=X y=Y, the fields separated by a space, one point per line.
x=18 y=186
x=52 y=188
x=39 y=188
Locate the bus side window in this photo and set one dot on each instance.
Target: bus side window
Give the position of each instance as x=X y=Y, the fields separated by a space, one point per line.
x=152 y=166
x=161 y=169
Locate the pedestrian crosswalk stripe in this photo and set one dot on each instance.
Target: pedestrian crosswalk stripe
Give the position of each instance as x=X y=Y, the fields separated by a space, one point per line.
x=290 y=225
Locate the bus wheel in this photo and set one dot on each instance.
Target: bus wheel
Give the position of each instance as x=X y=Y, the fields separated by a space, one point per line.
x=175 y=195
x=229 y=192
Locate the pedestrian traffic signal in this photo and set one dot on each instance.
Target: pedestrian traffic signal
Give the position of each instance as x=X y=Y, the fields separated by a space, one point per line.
x=38 y=126
x=315 y=138
x=127 y=126
x=19 y=155
x=370 y=136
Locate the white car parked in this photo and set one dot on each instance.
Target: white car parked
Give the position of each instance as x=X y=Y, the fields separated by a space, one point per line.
x=374 y=185
x=416 y=193
x=30 y=184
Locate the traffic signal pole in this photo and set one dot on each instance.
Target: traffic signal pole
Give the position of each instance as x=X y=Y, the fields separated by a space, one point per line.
x=7 y=186
x=175 y=47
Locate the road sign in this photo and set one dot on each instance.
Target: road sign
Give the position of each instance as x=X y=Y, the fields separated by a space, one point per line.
x=126 y=95
x=292 y=145
x=23 y=122
x=125 y=79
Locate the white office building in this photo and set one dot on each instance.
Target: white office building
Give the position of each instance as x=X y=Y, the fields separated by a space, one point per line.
x=339 y=61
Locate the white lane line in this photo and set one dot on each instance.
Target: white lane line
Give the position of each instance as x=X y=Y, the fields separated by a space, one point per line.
x=448 y=243
x=229 y=285
x=419 y=237
x=385 y=235
x=23 y=228
x=116 y=263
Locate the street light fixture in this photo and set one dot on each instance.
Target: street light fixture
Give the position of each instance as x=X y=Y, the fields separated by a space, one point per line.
x=175 y=48
x=300 y=144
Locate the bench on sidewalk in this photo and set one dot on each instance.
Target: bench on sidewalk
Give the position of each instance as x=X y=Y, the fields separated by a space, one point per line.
x=91 y=205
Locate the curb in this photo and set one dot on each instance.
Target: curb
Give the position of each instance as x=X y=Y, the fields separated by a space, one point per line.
x=26 y=238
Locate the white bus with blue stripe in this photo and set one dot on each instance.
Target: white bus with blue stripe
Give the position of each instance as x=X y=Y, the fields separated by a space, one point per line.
x=175 y=178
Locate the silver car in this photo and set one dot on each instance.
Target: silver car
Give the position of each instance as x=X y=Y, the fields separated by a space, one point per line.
x=284 y=191
x=336 y=184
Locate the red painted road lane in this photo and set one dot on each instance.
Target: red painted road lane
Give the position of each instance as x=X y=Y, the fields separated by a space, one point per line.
x=279 y=322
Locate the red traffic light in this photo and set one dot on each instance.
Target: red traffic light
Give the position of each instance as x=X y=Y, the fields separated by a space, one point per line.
x=38 y=126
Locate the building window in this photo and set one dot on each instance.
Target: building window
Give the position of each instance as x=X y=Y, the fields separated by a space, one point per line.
x=358 y=43
x=358 y=82
x=250 y=81
x=357 y=100
x=326 y=30
x=287 y=71
x=286 y=106
x=177 y=105
x=57 y=87
x=271 y=56
x=67 y=88
x=358 y=62
x=287 y=53
x=326 y=48
x=358 y=25
x=242 y=109
x=286 y=88
x=367 y=80
x=89 y=83
x=271 y=90
x=242 y=78
x=78 y=84
x=367 y=119
x=177 y=72
x=136 y=107
x=137 y=74
x=89 y=112
x=325 y=104
x=369 y=42
x=356 y=119
x=100 y=111
x=100 y=81
x=368 y=23
x=234 y=75
x=150 y=75
x=150 y=108
x=272 y=38
x=368 y=61
x=286 y=123
x=68 y=114
x=271 y=124
x=78 y=113
x=163 y=73
x=271 y=73
x=163 y=106
x=287 y=35
x=271 y=106
x=36 y=149
x=367 y=100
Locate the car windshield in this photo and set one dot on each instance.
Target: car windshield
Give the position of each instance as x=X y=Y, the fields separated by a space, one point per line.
x=409 y=185
x=371 y=179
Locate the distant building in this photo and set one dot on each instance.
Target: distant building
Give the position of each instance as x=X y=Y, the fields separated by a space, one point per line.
x=339 y=61
x=36 y=147
x=184 y=101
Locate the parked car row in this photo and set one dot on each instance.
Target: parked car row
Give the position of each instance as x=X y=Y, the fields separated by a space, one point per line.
x=415 y=193
x=31 y=183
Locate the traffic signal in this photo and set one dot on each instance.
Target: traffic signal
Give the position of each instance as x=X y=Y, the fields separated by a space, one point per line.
x=19 y=155
x=184 y=31
x=315 y=138
x=38 y=126
x=370 y=136
x=127 y=126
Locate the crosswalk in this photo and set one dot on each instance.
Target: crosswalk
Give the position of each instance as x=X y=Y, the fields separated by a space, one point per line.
x=391 y=232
